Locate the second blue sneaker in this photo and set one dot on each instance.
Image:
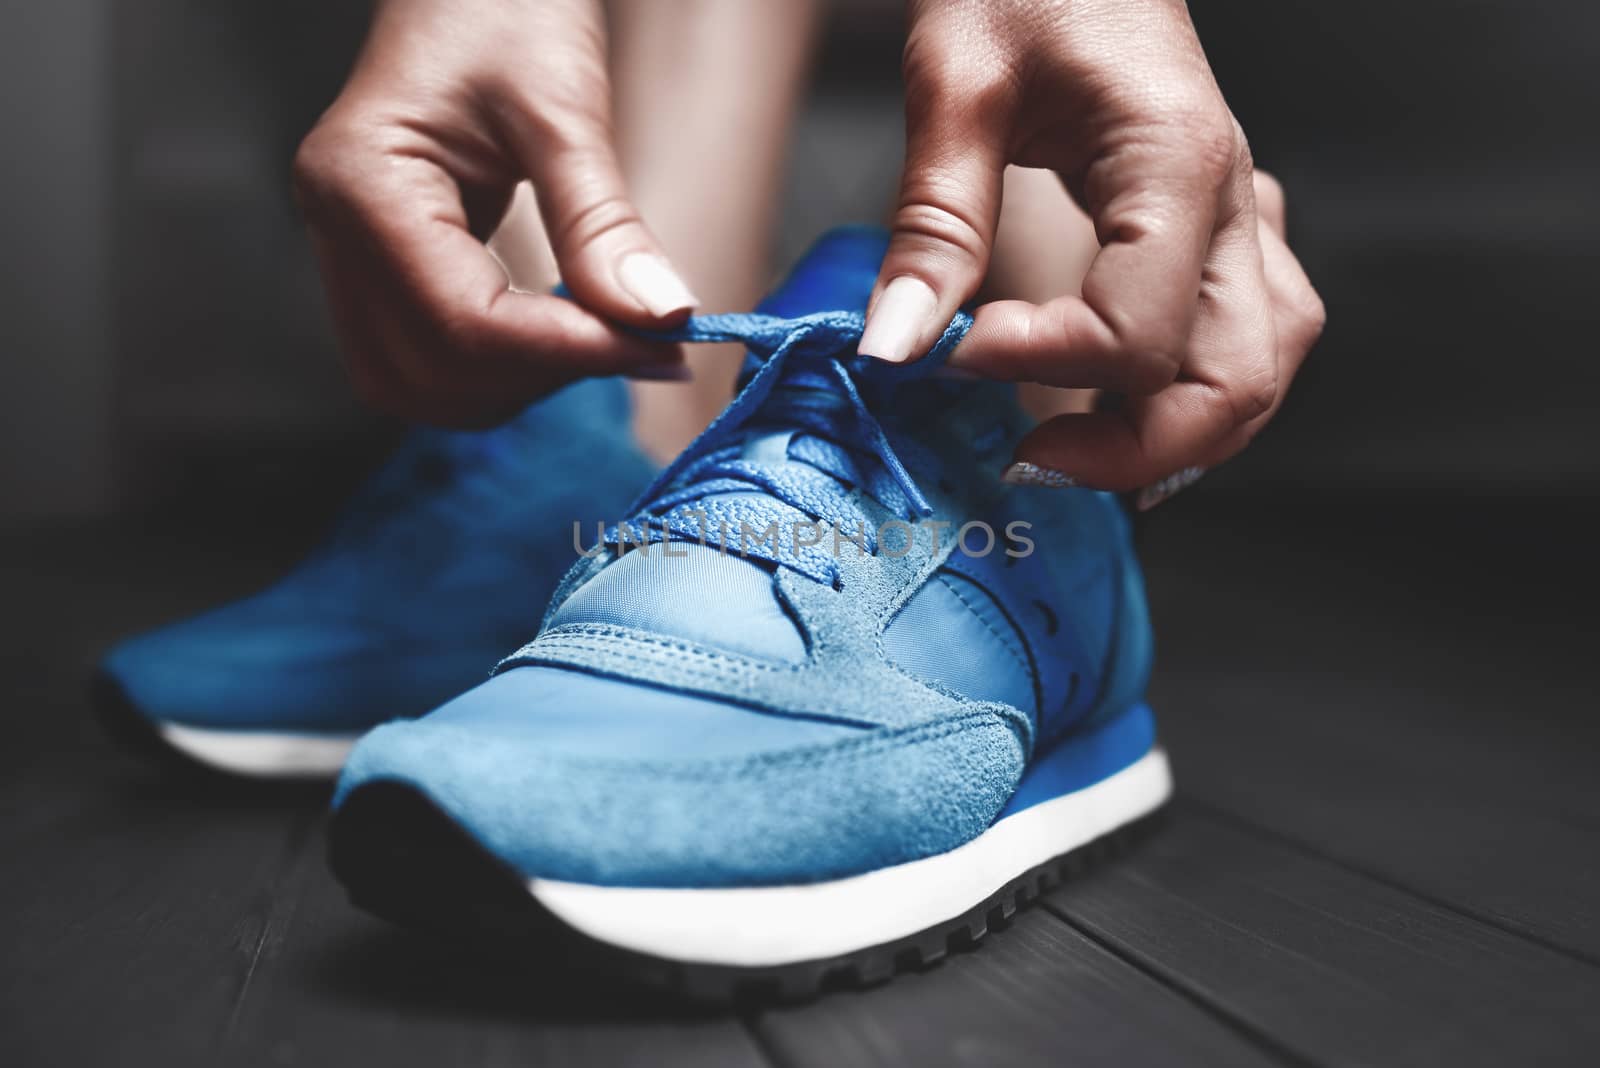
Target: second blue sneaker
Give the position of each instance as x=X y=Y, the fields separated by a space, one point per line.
x=830 y=697
x=432 y=571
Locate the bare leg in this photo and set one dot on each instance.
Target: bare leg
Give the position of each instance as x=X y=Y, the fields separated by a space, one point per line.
x=1042 y=250
x=705 y=91
x=521 y=246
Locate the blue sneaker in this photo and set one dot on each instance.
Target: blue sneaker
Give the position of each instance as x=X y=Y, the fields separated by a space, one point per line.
x=853 y=697
x=434 y=569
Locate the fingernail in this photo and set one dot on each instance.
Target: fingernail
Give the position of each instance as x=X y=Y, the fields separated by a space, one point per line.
x=1022 y=473
x=651 y=281
x=662 y=372
x=1157 y=492
x=898 y=320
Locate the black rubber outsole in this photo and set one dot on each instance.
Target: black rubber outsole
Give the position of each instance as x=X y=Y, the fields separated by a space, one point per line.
x=400 y=858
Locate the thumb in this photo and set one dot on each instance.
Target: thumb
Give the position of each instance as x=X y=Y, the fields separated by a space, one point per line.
x=607 y=256
x=944 y=226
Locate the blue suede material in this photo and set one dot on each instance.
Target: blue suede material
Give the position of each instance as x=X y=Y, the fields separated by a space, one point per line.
x=648 y=737
x=570 y=776
x=442 y=560
x=574 y=715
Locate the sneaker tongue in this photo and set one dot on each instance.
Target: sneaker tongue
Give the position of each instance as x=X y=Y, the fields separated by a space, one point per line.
x=721 y=599
x=836 y=274
x=768 y=447
x=698 y=594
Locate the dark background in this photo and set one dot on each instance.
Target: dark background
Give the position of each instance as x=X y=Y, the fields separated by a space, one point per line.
x=166 y=349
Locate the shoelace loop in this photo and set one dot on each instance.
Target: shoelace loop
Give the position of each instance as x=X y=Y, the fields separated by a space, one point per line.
x=814 y=359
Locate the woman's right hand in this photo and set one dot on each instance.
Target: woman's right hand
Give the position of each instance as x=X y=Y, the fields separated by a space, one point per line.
x=449 y=107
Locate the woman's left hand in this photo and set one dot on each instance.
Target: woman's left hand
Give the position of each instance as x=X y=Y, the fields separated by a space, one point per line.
x=1194 y=307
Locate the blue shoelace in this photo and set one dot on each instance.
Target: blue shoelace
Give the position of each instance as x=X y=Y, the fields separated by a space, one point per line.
x=786 y=454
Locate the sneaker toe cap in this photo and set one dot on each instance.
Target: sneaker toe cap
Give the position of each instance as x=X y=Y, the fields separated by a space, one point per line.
x=245 y=668
x=575 y=777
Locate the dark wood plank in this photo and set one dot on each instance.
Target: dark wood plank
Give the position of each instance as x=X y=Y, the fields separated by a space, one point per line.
x=1037 y=992
x=1402 y=685
x=1458 y=816
x=134 y=922
x=134 y=905
x=1338 y=968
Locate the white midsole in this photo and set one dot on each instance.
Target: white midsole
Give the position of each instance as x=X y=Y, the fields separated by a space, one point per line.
x=772 y=925
x=262 y=754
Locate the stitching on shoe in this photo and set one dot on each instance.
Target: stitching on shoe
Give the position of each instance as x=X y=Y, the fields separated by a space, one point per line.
x=587 y=635
x=572 y=645
x=826 y=754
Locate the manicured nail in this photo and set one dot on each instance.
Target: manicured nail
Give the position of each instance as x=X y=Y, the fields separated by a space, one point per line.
x=898 y=319
x=1022 y=473
x=1155 y=493
x=662 y=372
x=651 y=281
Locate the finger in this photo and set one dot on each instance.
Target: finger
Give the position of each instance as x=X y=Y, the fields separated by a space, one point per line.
x=1156 y=208
x=944 y=225
x=608 y=258
x=401 y=364
x=424 y=309
x=1297 y=309
x=408 y=227
x=1015 y=341
x=1271 y=208
x=1230 y=379
x=422 y=376
x=1128 y=448
x=1298 y=319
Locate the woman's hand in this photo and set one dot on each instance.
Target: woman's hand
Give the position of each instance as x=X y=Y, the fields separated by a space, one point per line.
x=1193 y=307
x=450 y=106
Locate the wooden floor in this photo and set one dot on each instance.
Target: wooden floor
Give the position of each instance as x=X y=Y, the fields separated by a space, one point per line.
x=1385 y=849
